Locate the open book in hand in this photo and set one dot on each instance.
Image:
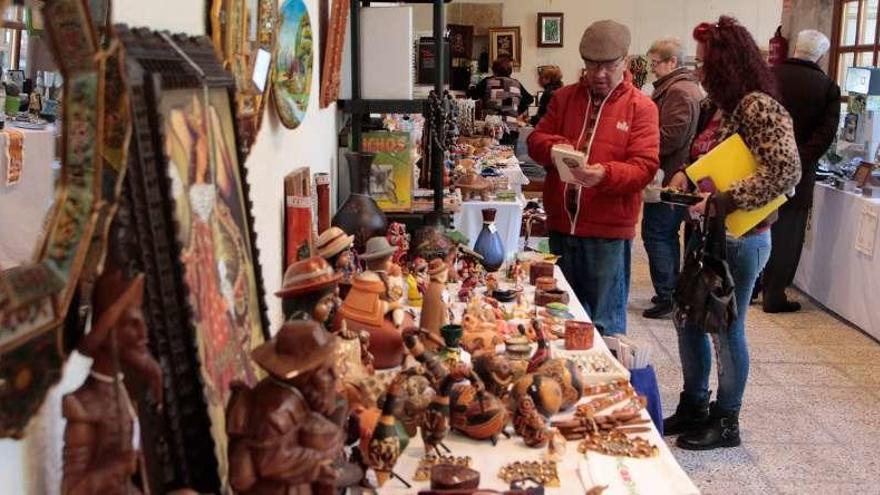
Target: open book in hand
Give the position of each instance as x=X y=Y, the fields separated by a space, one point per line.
x=566 y=160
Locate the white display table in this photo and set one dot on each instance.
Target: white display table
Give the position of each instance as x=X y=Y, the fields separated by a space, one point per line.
x=660 y=475
x=24 y=205
x=469 y=221
x=839 y=269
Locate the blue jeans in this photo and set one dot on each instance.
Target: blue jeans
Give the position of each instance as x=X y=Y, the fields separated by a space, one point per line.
x=661 y=224
x=599 y=272
x=746 y=257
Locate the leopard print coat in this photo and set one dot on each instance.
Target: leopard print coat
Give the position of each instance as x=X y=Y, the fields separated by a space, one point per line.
x=767 y=130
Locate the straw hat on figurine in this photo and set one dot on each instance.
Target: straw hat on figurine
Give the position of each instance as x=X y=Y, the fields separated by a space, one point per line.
x=377 y=248
x=299 y=347
x=333 y=241
x=308 y=275
x=436 y=267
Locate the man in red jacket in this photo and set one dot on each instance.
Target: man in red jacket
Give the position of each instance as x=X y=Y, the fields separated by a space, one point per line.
x=592 y=221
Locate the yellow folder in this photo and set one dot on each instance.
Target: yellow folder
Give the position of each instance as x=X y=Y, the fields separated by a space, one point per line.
x=727 y=163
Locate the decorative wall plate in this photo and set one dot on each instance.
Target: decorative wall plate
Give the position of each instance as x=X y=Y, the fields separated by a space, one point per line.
x=294 y=56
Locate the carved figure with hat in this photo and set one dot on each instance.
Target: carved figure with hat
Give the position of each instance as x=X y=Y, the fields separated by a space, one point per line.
x=285 y=434
x=434 y=309
x=102 y=435
x=335 y=246
x=377 y=256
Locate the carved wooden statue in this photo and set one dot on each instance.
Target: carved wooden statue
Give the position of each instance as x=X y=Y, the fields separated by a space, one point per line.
x=284 y=434
x=434 y=309
x=102 y=436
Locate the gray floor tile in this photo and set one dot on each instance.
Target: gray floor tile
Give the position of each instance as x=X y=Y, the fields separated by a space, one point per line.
x=806 y=374
x=788 y=487
x=811 y=463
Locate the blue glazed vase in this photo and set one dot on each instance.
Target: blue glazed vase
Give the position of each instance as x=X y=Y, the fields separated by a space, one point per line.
x=489 y=244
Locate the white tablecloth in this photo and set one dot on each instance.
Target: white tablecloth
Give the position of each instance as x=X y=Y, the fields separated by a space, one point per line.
x=24 y=205
x=660 y=475
x=508 y=219
x=832 y=270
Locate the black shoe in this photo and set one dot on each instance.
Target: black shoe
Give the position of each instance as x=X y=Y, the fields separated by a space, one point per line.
x=689 y=416
x=656 y=299
x=720 y=431
x=660 y=310
x=786 y=307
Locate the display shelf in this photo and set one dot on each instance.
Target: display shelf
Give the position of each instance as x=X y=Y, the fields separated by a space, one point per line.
x=364 y=106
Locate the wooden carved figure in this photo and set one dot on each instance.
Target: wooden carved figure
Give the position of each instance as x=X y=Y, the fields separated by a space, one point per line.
x=285 y=434
x=334 y=245
x=529 y=424
x=434 y=313
x=102 y=436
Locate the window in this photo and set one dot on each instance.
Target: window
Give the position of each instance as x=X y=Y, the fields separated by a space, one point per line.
x=855 y=37
x=13 y=40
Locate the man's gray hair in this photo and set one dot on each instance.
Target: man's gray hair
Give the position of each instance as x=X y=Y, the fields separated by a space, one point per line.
x=811 y=45
x=666 y=48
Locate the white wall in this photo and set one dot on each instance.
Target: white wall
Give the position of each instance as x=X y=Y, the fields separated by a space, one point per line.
x=647 y=20
x=277 y=151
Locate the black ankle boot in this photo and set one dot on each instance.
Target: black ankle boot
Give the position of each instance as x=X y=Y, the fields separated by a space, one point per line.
x=722 y=430
x=689 y=416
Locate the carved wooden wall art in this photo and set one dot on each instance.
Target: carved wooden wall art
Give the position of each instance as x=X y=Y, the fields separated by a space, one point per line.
x=332 y=58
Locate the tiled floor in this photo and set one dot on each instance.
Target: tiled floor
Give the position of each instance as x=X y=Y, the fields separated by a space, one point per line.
x=811 y=414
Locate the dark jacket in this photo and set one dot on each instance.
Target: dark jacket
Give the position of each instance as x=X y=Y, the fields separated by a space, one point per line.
x=677 y=96
x=544 y=102
x=478 y=92
x=813 y=100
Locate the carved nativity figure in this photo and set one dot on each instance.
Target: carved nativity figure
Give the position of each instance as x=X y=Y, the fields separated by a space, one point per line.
x=335 y=246
x=102 y=436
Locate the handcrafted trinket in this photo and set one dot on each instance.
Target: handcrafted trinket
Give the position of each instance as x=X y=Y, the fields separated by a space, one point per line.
x=335 y=246
x=497 y=373
x=386 y=444
x=542 y=353
x=364 y=309
x=540 y=269
x=491 y=283
x=544 y=472
x=518 y=350
x=453 y=477
x=473 y=411
x=322 y=188
x=414 y=296
x=434 y=310
x=479 y=336
x=473 y=186
x=296 y=401
x=360 y=215
x=618 y=444
x=544 y=391
x=569 y=378
x=529 y=424
x=516 y=274
x=298 y=216
x=488 y=244
x=556 y=446
x=399 y=238
x=578 y=335
x=504 y=296
x=102 y=435
x=451 y=354
x=423 y=471
x=546 y=292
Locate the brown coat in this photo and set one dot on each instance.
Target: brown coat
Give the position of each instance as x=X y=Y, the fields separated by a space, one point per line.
x=677 y=96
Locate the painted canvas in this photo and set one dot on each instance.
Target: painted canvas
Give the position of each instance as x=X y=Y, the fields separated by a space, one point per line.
x=550 y=29
x=212 y=230
x=294 y=56
x=392 y=170
x=505 y=42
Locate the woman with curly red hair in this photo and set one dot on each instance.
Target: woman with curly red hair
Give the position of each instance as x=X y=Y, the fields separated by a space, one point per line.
x=741 y=100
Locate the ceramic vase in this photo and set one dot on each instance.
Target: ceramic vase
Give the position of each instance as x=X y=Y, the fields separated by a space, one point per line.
x=489 y=244
x=360 y=216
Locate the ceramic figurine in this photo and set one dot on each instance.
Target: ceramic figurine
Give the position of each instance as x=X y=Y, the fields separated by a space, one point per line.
x=434 y=308
x=518 y=351
x=516 y=274
x=437 y=416
x=385 y=444
x=475 y=412
x=309 y=291
x=556 y=446
x=480 y=336
x=473 y=186
x=102 y=435
x=489 y=244
x=497 y=373
x=377 y=256
x=420 y=271
x=542 y=354
x=451 y=354
x=398 y=237
x=544 y=391
x=521 y=309
x=360 y=215
x=335 y=246
x=296 y=402
x=569 y=378
x=414 y=296
x=491 y=283
x=529 y=424
x=365 y=308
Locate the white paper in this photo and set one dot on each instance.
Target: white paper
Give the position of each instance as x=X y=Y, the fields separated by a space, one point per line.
x=565 y=160
x=867 y=231
x=261 y=69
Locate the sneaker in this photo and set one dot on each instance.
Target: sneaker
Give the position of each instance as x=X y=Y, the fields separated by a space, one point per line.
x=660 y=310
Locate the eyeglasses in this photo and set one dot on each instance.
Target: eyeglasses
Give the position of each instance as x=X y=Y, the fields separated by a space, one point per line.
x=593 y=66
x=655 y=62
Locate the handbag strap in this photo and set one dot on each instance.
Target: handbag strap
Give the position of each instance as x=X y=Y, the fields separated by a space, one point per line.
x=714 y=228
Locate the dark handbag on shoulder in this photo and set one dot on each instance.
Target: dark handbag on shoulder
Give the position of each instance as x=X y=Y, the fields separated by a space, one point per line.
x=704 y=296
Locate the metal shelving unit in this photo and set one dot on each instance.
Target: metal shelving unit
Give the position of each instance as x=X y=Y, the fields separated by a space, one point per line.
x=358 y=107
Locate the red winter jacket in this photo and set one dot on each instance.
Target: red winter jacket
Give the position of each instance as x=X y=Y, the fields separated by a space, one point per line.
x=626 y=141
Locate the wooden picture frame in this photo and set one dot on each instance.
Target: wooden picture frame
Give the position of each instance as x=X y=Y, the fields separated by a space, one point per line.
x=551 y=29
x=331 y=57
x=194 y=240
x=35 y=298
x=505 y=41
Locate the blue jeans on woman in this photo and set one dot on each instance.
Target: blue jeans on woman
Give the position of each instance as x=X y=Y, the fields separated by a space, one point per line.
x=599 y=272
x=661 y=227
x=746 y=257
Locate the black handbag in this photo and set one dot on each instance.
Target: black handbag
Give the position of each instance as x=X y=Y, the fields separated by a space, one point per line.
x=704 y=295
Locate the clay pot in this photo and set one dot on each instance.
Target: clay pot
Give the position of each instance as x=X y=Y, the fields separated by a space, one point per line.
x=544 y=391
x=578 y=335
x=360 y=215
x=477 y=414
x=489 y=244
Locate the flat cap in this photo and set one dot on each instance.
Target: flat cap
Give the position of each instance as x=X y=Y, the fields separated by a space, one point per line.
x=604 y=41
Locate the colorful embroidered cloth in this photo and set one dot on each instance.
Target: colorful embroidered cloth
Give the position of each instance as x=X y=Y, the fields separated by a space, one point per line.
x=14 y=155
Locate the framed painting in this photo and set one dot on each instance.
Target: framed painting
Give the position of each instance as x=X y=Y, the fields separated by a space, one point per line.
x=243 y=32
x=550 y=29
x=294 y=56
x=505 y=42
x=194 y=240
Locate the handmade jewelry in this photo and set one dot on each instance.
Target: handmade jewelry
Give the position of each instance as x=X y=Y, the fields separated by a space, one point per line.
x=618 y=444
x=423 y=471
x=544 y=472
